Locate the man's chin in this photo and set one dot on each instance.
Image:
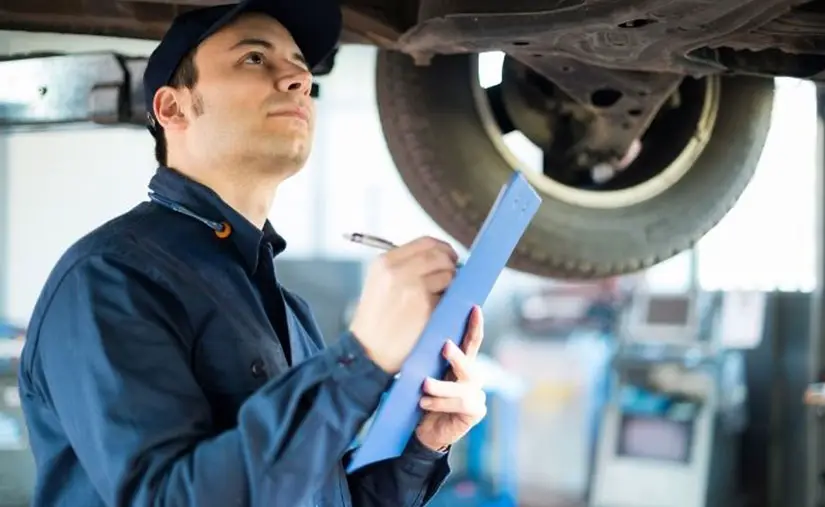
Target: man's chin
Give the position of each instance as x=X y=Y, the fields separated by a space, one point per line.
x=288 y=127
x=286 y=161
x=281 y=151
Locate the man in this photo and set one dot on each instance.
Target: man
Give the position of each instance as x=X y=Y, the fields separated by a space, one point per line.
x=166 y=365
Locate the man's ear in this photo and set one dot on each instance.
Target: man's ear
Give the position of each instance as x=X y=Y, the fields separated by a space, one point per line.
x=168 y=108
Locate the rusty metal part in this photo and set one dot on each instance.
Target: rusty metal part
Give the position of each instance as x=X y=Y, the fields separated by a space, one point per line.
x=618 y=105
x=650 y=35
x=676 y=36
x=583 y=115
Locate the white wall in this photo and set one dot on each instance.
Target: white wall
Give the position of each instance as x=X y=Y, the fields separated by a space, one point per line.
x=62 y=185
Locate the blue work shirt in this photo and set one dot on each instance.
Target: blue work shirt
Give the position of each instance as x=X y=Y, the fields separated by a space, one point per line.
x=155 y=372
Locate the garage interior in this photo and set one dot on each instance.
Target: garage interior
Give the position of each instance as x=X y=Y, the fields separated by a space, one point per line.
x=690 y=383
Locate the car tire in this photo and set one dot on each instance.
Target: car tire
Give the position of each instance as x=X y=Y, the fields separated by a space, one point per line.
x=454 y=168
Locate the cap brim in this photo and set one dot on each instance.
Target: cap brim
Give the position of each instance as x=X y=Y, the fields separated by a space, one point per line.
x=315 y=25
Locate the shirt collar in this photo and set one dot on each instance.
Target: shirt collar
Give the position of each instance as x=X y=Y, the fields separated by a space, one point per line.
x=203 y=201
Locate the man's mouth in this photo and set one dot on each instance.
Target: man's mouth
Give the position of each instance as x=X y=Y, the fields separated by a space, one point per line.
x=292 y=112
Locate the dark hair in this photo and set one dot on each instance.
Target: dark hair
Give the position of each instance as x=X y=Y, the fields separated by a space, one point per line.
x=185 y=76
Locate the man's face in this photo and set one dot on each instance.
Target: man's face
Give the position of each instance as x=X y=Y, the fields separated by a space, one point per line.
x=251 y=101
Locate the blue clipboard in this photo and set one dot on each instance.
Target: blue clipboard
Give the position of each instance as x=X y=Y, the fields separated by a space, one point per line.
x=399 y=412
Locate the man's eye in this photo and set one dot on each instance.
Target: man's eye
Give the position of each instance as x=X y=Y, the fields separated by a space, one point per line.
x=254 y=58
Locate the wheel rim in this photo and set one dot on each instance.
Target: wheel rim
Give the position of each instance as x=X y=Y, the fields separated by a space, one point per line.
x=692 y=147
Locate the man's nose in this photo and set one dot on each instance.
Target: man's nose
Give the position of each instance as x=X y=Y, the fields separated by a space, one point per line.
x=296 y=80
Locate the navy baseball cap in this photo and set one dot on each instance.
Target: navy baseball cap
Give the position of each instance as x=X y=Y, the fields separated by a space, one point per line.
x=315 y=25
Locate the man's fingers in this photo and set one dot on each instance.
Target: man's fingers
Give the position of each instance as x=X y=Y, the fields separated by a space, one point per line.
x=446 y=389
x=424 y=246
x=409 y=249
x=462 y=366
x=437 y=282
x=430 y=261
x=473 y=404
x=474 y=335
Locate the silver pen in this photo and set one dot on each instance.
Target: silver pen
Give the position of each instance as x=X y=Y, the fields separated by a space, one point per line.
x=375 y=242
x=369 y=240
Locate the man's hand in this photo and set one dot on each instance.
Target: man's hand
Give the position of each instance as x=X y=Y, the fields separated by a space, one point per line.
x=402 y=288
x=454 y=405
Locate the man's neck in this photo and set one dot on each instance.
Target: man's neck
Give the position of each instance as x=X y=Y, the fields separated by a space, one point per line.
x=251 y=195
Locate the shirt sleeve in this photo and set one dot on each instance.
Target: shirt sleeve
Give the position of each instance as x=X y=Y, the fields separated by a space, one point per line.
x=110 y=358
x=410 y=480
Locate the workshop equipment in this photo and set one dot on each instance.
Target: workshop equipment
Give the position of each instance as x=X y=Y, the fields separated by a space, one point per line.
x=670 y=433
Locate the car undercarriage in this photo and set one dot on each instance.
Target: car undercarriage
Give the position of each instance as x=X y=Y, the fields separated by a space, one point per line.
x=650 y=115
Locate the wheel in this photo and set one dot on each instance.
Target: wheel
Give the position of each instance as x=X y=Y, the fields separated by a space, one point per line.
x=445 y=134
